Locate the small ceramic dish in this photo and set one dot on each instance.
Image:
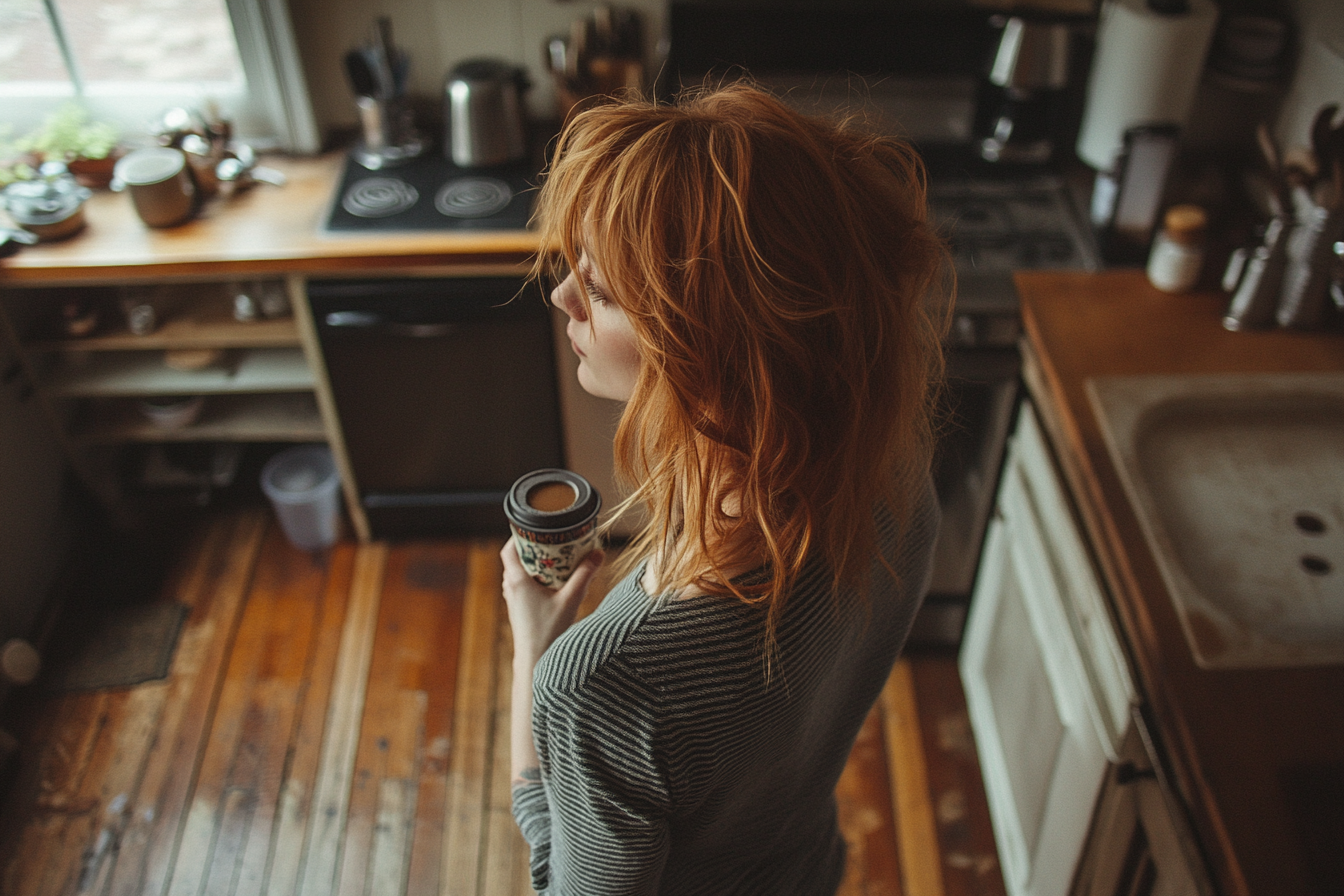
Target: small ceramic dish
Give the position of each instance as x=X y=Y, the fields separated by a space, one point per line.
x=172 y=411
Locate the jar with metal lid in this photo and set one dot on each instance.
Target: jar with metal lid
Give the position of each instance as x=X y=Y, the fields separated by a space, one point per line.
x=1177 y=256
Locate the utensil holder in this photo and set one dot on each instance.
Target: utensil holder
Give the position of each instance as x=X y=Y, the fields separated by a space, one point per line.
x=388 y=134
x=1304 y=302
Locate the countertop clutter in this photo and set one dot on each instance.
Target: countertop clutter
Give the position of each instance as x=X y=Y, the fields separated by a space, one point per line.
x=1256 y=753
x=266 y=230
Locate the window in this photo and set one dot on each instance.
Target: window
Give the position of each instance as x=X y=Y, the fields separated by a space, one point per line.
x=129 y=60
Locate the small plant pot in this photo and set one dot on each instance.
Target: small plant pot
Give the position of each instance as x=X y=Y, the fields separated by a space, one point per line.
x=96 y=174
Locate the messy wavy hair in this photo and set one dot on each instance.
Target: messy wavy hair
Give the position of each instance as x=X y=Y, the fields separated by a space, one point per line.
x=782 y=278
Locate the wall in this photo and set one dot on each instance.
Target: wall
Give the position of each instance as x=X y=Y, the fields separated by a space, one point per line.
x=438 y=34
x=31 y=528
x=1319 y=77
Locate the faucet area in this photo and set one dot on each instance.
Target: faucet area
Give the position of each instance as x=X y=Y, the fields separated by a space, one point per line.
x=1228 y=475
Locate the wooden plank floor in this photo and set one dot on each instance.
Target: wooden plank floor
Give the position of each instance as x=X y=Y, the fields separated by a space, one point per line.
x=338 y=724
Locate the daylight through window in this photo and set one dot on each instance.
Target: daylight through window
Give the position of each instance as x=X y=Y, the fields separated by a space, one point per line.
x=128 y=60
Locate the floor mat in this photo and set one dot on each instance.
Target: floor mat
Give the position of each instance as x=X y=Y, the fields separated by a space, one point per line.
x=124 y=646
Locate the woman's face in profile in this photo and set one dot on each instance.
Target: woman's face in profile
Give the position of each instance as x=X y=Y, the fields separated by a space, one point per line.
x=599 y=332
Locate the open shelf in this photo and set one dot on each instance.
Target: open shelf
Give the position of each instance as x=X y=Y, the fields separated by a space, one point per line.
x=202 y=328
x=197 y=315
x=276 y=417
x=109 y=374
x=254 y=376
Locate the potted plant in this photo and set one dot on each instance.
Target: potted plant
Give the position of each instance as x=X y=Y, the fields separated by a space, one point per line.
x=88 y=148
x=15 y=163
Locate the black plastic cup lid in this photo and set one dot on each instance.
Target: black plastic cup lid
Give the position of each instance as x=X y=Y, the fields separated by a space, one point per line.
x=586 y=504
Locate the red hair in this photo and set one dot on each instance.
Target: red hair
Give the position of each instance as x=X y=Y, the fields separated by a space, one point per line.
x=780 y=272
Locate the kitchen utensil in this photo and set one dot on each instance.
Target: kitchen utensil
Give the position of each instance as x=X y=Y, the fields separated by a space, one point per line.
x=363 y=79
x=50 y=207
x=377 y=73
x=485 y=114
x=1269 y=148
x=160 y=183
x=192 y=358
x=1322 y=139
x=1334 y=166
x=1305 y=299
x=141 y=319
x=1256 y=299
x=386 y=56
x=172 y=411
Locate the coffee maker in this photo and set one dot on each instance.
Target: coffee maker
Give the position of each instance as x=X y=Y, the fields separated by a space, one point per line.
x=1023 y=98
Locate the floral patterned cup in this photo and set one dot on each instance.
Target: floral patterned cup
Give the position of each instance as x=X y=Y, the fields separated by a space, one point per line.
x=553 y=515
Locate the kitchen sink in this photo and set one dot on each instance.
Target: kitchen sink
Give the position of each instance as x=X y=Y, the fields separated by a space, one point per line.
x=1238 y=484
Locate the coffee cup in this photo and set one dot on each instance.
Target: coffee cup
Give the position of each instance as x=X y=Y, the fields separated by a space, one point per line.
x=160 y=183
x=553 y=515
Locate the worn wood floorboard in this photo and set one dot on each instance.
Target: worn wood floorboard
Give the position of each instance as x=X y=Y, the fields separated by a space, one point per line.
x=337 y=725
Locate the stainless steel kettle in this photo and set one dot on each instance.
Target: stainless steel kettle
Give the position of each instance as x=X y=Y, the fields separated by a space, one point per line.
x=486 y=113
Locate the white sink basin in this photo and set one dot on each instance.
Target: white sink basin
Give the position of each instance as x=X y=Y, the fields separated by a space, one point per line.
x=1238 y=483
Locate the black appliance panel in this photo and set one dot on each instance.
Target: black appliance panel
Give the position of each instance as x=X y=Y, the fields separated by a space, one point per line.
x=446 y=393
x=426 y=185
x=866 y=39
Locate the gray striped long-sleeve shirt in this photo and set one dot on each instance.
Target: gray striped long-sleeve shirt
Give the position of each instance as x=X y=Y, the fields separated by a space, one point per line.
x=672 y=764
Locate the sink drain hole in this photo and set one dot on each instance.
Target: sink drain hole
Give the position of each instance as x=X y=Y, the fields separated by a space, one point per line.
x=1309 y=523
x=1317 y=566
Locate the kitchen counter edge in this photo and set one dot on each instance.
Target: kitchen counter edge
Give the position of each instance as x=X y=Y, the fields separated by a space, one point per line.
x=1114 y=323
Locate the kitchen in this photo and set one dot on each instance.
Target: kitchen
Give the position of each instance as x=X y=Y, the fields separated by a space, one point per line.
x=284 y=227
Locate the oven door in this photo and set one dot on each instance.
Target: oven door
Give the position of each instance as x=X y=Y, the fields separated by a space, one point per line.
x=446 y=394
x=980 y=396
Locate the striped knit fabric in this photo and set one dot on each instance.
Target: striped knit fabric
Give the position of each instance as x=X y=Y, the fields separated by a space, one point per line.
x=672 y=764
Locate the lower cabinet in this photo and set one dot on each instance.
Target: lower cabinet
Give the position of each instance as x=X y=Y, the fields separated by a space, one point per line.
x=160 y=385
x=1137 y=847
x=1044 y=724
x=1075 y=788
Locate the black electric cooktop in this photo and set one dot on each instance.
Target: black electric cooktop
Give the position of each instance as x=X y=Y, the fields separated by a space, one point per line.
x=431 y=193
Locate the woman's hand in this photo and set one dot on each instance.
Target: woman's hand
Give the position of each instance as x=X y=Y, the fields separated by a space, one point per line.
x=537 y=614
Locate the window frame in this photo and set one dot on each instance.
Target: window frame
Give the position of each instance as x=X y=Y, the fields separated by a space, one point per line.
x=274 y=113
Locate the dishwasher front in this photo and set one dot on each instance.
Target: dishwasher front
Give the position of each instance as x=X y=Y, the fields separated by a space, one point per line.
x=445 y=389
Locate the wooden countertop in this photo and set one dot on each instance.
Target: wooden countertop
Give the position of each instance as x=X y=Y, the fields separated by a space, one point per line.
x=264 y=230
x=1257 y=753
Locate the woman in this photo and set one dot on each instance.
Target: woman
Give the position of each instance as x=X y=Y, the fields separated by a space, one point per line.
x=755 y=285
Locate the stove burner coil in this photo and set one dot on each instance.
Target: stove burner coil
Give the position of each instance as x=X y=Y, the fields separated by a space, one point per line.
x=379 y=197
x=473 y=197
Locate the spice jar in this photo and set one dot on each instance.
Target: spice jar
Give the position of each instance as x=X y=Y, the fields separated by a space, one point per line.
x=1178 y=252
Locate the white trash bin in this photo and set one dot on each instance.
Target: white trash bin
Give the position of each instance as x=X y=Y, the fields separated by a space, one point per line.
x=304 y=487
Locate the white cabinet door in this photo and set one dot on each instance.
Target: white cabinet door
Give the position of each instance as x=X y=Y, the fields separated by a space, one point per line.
x=1031 y=705
x=1137 y=848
